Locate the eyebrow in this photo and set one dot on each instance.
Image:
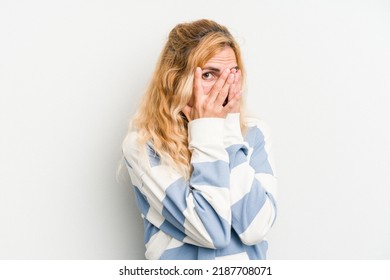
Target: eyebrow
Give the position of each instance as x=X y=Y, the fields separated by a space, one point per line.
x=217 y=69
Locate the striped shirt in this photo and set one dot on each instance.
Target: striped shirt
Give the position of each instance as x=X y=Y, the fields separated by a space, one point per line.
x=226 y=207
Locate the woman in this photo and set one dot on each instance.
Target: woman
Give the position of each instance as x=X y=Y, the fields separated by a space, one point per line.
x=204 y=190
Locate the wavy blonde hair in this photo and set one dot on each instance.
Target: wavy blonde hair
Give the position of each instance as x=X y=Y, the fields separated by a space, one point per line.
x=159 y=119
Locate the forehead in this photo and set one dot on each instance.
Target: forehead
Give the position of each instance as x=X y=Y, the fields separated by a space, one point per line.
x=224 y=59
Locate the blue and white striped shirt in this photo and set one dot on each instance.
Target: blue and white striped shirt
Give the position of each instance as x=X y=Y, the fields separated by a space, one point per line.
x=226 y=207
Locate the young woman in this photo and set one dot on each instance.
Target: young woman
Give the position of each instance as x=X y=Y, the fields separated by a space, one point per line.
x=202 y=173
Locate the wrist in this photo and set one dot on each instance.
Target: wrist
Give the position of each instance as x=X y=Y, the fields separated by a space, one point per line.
x=232 y=130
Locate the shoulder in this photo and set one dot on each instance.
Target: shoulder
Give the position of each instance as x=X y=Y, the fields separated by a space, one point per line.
x=131 y=146
x=257 y=129
x=138 y=153
x=130 y=141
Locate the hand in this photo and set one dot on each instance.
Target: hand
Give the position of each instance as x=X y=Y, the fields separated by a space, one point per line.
x=211 y=105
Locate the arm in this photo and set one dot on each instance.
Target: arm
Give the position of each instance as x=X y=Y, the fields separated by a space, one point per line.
x=195 y=211
x=252 y=180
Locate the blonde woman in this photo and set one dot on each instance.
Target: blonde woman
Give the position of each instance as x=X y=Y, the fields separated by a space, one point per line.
x=202 y=173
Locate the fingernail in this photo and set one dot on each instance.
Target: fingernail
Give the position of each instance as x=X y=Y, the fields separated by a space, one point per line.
x=231 y=76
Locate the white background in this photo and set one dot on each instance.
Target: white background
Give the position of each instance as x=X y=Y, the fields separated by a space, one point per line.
x=71 y=75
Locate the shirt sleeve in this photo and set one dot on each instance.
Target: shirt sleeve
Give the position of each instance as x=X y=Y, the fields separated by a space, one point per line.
x=196 y=211
x=252 y=179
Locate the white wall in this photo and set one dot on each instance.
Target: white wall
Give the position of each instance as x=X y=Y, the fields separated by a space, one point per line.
x=72 y=72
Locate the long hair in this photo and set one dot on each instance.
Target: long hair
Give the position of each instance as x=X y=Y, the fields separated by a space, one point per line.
x=159 y=119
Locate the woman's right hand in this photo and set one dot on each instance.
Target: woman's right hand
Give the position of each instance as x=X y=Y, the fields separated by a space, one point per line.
x=210 y=105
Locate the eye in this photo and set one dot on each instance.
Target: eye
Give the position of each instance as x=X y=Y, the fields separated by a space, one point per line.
x=207 y=76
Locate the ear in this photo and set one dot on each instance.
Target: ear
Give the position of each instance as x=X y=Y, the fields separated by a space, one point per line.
x=191 y=101
x=187 y=112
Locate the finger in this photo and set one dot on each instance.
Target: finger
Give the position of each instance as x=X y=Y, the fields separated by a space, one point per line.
x=223 y=93
x=239 y=81
x=235 y=86
x=218 y=85
x=198 y=89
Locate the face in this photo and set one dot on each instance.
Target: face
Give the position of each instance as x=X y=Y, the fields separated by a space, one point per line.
x=214 y=68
